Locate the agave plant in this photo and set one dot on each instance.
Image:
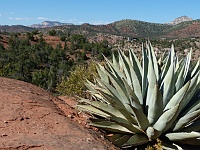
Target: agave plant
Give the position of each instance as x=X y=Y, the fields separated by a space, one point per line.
x=136 y=102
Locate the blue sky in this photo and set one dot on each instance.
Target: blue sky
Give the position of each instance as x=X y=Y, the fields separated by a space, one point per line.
x=27 y=12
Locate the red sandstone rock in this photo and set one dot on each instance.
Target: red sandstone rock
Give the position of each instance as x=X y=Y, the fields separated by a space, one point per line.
x=31 y=118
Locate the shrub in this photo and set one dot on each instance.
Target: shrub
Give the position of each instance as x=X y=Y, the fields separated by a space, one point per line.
x=52 y=32
x=75 y=83
x=63 y=38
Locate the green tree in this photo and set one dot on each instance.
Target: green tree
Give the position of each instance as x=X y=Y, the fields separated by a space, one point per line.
x=52 y=32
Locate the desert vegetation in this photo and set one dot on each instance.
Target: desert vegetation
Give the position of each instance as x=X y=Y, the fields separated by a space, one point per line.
x=121 y=79
x=136 y=102
x=46 y=60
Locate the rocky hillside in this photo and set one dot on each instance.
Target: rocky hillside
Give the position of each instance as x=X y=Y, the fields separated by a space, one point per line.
x=31 y=118
x=181 y=27
x=137 y=29
x=15 y=28
x=180 y=20
x=183 y=30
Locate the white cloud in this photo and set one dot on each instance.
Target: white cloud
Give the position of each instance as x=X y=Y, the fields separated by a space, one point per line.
x=81 y=22
x=19 y=18
x=72 y=20
x=76 y=21
x=6 y=13
x=99 y=22
x=42 y=18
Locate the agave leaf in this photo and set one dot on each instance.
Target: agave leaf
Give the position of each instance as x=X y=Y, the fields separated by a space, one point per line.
x=178 y=97
x=125 y=67
x=110 y=126
x=117 y=116
x=144 y=72
x=165 y=59
x=199 y=78
x=177 y=65
x=119 y=86
x=136 y=65
x=111 y=111
x=187 y=64
x=151 y=82
x=141 y=118
x=167 y=63
x=155 y=109
x=132 y=76
x=192 y=107
x=180 y=79
x=92 y=110
x=185 y=120
x=195 y=106
x=118 y=139
x=115 y=63
x=172 y=53
x=178 y=145
x=116 y=100
x=154 y=60
x=166 y=119
x=111 y=91
x=90 y=86
x=136 y=86
x=127 y=124
x=135 y=140
x=161 y=60
x=131 y=94
x=171 y=147
x=167 y=85
x=97 y=97
x=115 y=136
x=101 y=72
x=120 y=108
x=114 y=69
x=113 y=114
x=168 y=145
x=182 y=136
x=132 y=79
x=194 y=86
x=194 y=126
x=196 y=68
x=93 y=90
x=192 y=144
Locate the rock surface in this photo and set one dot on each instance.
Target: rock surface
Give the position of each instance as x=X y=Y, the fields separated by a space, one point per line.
x=46 y=24
x=31 y=118
x=181 y=19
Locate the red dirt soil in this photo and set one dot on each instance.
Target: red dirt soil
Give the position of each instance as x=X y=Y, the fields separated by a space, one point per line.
x=33 y=119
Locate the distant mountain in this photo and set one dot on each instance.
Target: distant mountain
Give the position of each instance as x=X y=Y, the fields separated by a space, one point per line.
x=141 y=29
x=182 y=27
x=136 y=29
x=46 y=24
x=127 y=27
x=15 y=28
x=180 y=19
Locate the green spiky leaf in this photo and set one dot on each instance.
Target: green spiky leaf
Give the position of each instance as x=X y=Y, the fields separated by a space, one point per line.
x=182 y=136
x=136 y=102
